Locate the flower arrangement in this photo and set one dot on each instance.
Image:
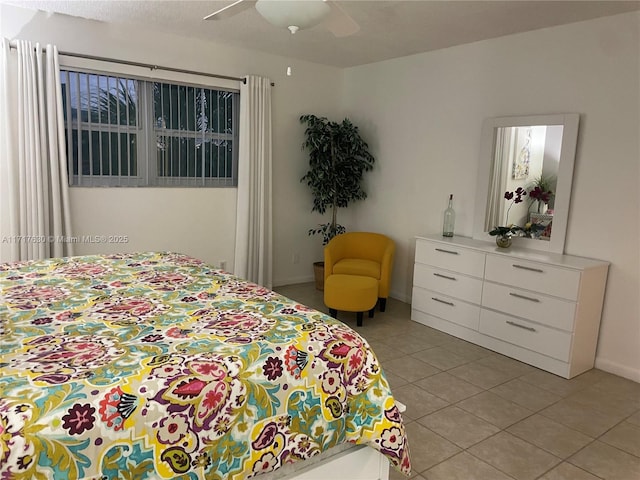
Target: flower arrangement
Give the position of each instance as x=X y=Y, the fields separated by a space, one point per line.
x=510 y=229
x=530 y=229
x=541 y=195
x=541 y=192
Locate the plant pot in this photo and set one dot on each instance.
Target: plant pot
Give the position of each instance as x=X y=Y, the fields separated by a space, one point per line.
x=318 y=271
x=503 y=241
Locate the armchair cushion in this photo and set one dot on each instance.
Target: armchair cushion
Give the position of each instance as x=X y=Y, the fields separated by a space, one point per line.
x=357 y=266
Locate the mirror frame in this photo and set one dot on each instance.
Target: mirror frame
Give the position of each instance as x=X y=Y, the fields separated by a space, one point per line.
x=570 y=122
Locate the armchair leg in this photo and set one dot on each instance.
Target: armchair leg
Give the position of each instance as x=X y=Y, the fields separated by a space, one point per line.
x=372 y=311
x=333 y=312
x=383 y=304
x=359 y=318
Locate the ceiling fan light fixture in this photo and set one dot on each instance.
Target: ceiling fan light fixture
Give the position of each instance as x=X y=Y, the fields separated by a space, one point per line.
x=298 y=13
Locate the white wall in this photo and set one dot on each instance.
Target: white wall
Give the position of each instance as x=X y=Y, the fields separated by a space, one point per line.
x=199 y=222
x=423 y=116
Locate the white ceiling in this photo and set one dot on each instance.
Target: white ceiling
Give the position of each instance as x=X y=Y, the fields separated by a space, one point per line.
x=388 y=29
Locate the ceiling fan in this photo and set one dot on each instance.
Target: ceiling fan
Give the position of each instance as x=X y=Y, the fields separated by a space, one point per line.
x=295 y=15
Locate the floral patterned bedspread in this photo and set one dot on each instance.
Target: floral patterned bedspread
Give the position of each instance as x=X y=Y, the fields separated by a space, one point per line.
x=157 y=366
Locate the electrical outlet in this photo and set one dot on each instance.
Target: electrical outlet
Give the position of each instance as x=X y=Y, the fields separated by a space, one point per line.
x=296 y=257
x=223 y=264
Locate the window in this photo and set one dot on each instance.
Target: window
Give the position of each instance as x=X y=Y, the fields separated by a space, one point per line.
x=131 y=132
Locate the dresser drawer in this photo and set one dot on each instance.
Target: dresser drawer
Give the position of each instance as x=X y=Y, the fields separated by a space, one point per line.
x=450 y=257
x=532 y=336
x=538 y=277
x=445 y=307
x=550 y=311
x=448 y=283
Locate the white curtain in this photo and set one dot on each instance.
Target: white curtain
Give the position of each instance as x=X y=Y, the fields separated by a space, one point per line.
x=34 y=192
x=497 y=180
x=253 y=252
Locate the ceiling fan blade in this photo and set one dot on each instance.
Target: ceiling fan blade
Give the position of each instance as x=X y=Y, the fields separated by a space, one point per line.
x=340 y=22
x=231 y=10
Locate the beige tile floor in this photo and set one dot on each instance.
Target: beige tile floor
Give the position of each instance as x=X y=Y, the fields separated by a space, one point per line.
x=473 y=414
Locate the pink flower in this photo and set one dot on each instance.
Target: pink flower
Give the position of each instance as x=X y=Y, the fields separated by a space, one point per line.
x=213 y=398
x=211 y=369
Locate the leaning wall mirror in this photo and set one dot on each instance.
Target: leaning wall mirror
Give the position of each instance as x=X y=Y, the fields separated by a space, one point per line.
x=535 y=153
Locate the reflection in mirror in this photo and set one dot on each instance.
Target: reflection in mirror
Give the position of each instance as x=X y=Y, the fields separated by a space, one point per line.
x=534 y=153
x=526 y=157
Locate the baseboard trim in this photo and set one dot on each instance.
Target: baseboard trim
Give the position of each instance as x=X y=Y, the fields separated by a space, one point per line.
x=403 y=297
x=293 y=281
x=618 y=369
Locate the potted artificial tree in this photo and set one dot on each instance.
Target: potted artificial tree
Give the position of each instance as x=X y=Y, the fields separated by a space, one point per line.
x=338 y=158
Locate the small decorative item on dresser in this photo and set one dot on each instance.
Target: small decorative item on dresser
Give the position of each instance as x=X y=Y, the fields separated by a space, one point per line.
x=449 y=219
x=504 y=235
x=503 y=241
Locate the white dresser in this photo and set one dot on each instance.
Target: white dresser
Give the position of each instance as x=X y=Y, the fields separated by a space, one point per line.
x=541 y=308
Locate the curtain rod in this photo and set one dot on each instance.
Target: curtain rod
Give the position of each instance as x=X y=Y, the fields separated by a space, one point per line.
x=13 y=44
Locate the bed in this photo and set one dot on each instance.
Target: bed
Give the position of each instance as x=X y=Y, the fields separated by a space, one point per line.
x=157 y=366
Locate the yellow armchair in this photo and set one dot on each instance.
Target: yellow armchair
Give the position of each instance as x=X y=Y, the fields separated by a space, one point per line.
x=362 y=253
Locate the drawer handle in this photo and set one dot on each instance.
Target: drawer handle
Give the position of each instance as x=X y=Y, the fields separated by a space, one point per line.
x=531 y=299
x=442 y=301
x=531 y=269
x=531 y=329
x=447 y=251
x=444 y=276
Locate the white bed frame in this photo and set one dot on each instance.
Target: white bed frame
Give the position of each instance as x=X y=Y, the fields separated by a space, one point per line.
x=358 y=462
